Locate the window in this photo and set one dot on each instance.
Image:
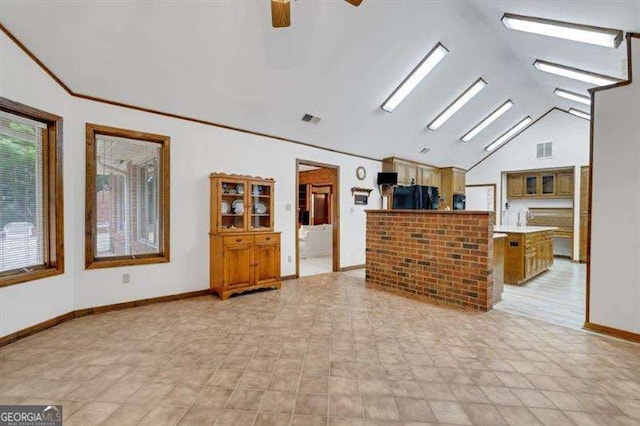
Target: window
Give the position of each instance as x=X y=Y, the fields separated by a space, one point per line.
x=31 y=227
x=127 y=197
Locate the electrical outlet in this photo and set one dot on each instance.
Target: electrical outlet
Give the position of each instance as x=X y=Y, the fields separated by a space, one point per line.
x=287 y=207
x=289 y=259
x=126 y=278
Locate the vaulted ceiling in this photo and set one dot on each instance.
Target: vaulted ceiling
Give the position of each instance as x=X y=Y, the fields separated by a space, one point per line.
x=222 y=61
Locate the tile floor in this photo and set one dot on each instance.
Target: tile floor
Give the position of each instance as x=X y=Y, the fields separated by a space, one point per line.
x=557 y=296
x=322 y=350
x=315 y=266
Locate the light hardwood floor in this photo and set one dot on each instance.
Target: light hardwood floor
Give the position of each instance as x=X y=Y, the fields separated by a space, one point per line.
x=324 y=350
x=557 y=296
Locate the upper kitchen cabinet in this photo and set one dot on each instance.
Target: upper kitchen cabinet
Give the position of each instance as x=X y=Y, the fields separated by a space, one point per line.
x=452 y=183
x=565 y=184
x=412 y=173
x=515 y=185
x=555 y=183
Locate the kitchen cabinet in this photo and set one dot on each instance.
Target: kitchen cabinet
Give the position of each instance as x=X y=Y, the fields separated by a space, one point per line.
x=531 y=185
x=540 y=184
x=244 y=252
x=527 y=254
x=452 y=181
x=565 y=184
x=584 y=213
x=412 y=173
x=548 y=182
x=515 y=185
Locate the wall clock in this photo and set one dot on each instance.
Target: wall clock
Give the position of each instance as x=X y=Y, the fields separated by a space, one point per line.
x=361 y=173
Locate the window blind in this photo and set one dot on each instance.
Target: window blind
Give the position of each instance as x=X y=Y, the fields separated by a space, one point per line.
x=127 y=197
x=22 y=200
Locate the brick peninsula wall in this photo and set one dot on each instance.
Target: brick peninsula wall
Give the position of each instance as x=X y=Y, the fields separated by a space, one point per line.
x=444 y=256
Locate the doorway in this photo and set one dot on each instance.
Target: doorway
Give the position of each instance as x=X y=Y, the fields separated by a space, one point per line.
x=317 y=218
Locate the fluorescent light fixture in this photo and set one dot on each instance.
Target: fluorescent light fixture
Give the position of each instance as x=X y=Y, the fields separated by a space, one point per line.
x=573 y=96
x=488 y=120
x=509 y=134
x=425 y=66
x=580 y=114
x=460 y=101
x=606 y=37
x=575 y=73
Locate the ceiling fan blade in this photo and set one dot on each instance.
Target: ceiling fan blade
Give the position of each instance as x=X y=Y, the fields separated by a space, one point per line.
x=280 y=13
x=356 y=3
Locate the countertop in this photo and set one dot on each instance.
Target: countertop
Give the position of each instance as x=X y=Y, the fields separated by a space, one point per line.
x=395 y=211
x=512 y=229
x=499 y=235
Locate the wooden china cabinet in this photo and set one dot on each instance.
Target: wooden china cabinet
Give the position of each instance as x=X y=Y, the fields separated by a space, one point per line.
x=244 y=252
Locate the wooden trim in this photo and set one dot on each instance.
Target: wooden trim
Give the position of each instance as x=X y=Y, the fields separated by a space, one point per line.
x=53 y=194
x=91 y=260
x=614 y=332
x=168 y=114
x=5 y=340
x=139 y=302
x=288 y=277
x=335 y=200
x=35 y=59
x=20 y=334
x=512 y=138
x=352 y=267
x=592 y=92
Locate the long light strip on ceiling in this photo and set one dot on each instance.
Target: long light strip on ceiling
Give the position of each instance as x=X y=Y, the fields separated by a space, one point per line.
x=488 y=120
x=606 y=37
x=509 y=134
x=458 y=103
x=425 y=66
x=574 y=73
x=572 y=96
x=580 y=114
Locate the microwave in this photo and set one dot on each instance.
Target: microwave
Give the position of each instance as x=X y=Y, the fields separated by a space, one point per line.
x=459 y=202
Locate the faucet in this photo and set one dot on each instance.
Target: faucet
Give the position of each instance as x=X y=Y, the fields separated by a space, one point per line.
x=527 y=215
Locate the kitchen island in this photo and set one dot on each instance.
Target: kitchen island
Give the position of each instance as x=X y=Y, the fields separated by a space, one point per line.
x=437 y=255
x=528 y=251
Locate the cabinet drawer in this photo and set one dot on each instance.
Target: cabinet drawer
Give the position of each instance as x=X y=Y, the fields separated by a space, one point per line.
x=238 y=240
x=267 y=238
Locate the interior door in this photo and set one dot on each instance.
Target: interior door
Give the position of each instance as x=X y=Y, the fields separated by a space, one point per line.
x=238 y=266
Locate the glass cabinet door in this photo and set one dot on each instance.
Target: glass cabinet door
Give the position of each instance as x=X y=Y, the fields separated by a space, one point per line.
x=261 y=207
x=531 y=185
x=232 y=205
x=548 y=184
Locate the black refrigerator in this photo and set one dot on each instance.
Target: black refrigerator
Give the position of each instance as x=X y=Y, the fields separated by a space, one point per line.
x=416 y=197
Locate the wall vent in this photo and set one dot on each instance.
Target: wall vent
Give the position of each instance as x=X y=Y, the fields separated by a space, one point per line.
x=311 y=119
x=544 y=150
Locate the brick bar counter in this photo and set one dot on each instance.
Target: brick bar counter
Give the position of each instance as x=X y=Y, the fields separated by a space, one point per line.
x=443 y=256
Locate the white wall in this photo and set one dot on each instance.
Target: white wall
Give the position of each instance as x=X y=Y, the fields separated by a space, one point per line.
x=22 y=305
x=570 y=137
x=615 y=210
x=196 y=151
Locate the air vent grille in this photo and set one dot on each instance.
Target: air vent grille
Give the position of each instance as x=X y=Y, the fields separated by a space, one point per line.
x=544 y=150
x=311 y=119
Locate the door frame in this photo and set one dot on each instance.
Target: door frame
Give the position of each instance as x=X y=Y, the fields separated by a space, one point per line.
x=335 y=219
x=495 y=198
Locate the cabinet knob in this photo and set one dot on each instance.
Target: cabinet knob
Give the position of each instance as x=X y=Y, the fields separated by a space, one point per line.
x=268 y=238
x=238 y=240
